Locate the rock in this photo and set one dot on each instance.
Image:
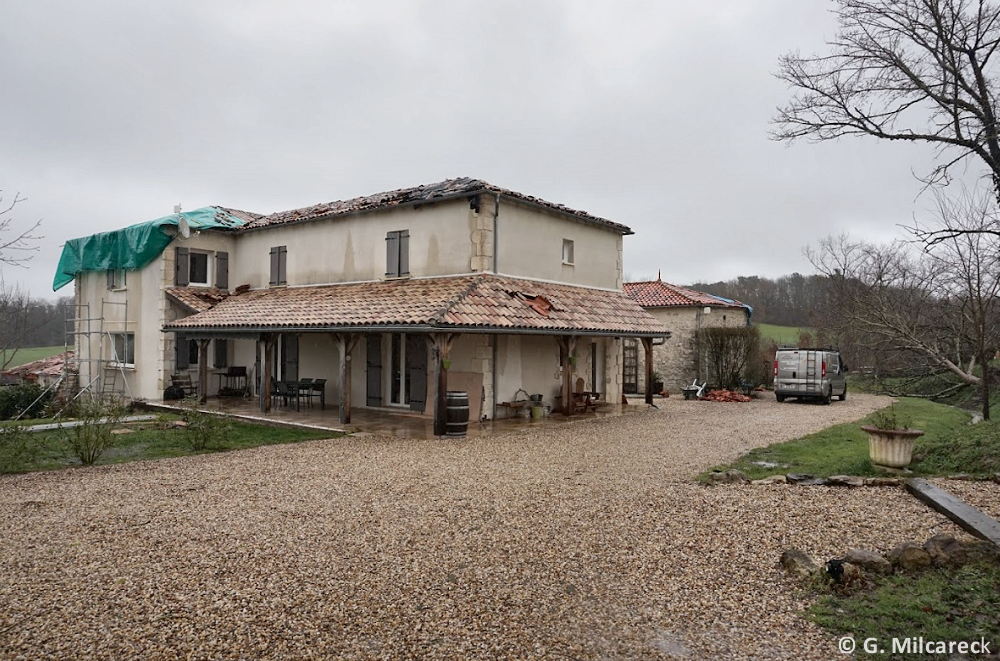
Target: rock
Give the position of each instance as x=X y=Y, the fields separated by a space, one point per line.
x=945 y=551
x=795 y=478
x=772 y=479
x=798 y=563
x=118 y=432
x=910 y=556
x=731 y=476
x=868 y=560
x=980 y=549
x=964 y=477
x=845 y=481
x=883 y=482
x=178 y=423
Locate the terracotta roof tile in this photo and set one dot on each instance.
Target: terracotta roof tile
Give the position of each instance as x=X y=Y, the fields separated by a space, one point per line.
x=197 y=299
x=659 y=294
x=51 y=366
x=478 y=301
x=425 y=194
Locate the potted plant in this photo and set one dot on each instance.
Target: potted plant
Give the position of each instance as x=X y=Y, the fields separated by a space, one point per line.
x=657 y=382
x=890 y=439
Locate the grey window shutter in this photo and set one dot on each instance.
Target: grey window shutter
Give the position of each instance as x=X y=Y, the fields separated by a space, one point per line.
x=404 y=252
x=282 y=265
x=221 y=353
x=111 y=278
x=274 y=266
x=181 y=346
x=392 y=254
x=182 y=268
x=222 y=270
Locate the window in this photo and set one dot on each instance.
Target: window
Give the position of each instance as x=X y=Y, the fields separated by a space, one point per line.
x=192 y=352
x=567 y=254
x=123 y=349
x=193 y=268
x=199 y=269
x=279 y=264
x=116 y=279
x=397 y=254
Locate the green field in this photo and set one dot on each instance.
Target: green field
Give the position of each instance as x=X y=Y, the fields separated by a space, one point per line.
x=23 y=356
x=781 y=334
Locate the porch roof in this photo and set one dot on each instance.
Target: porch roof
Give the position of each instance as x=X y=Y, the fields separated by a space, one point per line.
x=470 y=303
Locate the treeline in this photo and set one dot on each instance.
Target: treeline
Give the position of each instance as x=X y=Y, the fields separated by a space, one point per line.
x=46 y=322
x=791 y=300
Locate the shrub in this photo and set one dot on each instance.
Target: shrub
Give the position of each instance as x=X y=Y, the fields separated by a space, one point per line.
x=89 y=440
x=25 y=400
x=730 y=352
x=17 y=448
x=203 y=429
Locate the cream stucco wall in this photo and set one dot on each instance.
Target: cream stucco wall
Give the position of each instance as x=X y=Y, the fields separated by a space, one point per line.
x=530 y=242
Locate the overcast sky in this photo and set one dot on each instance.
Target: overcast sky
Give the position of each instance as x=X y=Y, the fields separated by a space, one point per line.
x=651 y=114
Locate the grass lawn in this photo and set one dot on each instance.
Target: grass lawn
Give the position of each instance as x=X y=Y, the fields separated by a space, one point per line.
x=149 y=440
x=782 y=334
x=23 y=356
x=949 y=445
x=938 y=604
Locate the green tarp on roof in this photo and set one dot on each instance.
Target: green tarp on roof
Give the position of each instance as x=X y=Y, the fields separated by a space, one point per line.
x=135 y=246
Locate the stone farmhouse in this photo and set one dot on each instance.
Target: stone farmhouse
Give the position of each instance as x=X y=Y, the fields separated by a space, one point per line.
x=685 y=312
x=393 y=298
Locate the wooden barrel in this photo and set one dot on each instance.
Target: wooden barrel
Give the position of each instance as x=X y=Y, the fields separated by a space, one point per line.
x=457 y=418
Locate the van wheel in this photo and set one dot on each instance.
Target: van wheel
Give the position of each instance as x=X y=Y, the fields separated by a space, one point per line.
x=780 y=398
x=828 y=397
x=842 y=396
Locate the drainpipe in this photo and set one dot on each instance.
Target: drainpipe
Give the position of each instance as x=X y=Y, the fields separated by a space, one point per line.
x=496 y=251
x=495 y=337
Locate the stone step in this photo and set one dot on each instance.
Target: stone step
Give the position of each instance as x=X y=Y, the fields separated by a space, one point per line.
x=966 y=516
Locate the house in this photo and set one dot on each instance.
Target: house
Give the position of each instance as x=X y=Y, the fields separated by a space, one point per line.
x=394 y=298
x=679 y=359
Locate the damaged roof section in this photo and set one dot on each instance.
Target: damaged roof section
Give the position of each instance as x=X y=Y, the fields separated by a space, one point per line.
x=426 y=194
x=479 y=302
x=659 y=294
x=197 y=299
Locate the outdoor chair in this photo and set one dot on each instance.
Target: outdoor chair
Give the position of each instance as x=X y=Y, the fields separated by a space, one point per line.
x=184 y=382
x=305 y=389
x=319 y=388
x=583 y=400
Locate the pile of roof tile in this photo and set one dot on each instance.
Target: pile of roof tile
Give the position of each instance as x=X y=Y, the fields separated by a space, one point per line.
x=725 y=396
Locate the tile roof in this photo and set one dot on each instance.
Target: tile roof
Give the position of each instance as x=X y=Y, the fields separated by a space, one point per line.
x=197 y=299
x=472 y=301
x=51 y=366
x=425 y=194
x=659 y=294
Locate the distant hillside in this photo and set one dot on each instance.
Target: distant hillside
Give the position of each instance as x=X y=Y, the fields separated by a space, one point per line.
x=790 y=300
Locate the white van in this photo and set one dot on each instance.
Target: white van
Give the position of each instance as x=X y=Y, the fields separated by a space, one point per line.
x=809 y=374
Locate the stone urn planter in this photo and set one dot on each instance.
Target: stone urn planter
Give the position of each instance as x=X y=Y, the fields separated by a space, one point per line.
x=891 y=447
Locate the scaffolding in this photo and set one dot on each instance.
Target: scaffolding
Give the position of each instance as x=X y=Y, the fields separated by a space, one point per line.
x=98 y=372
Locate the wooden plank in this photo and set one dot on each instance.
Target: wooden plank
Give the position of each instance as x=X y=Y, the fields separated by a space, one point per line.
x=966 y=516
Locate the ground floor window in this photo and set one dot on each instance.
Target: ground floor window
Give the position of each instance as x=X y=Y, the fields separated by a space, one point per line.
x=123 y=349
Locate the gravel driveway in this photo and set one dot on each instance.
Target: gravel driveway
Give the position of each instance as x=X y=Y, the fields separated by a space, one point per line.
x=582 y=541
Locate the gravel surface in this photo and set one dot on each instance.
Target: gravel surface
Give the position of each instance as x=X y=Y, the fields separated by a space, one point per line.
x=582 y=541
x=983 y=495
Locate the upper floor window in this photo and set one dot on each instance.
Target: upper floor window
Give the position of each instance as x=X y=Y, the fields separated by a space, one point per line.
x=279 y=265
x=567 y=251
x=116 y=278
x=397 y=254
x=194 y=267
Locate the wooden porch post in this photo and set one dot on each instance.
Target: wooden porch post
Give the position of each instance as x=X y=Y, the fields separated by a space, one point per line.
x=647 y=345
x=346 y=343
x=567 y=344
x=265 y=382
x=203 y=370
x=442 y=349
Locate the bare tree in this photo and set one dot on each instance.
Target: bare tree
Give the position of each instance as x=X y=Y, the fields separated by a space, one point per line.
x=939 y=307
x=913 y=70
x=16 y=248
x=19 y=247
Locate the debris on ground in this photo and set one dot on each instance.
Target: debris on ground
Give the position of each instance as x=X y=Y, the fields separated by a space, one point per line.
x=725 y=396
